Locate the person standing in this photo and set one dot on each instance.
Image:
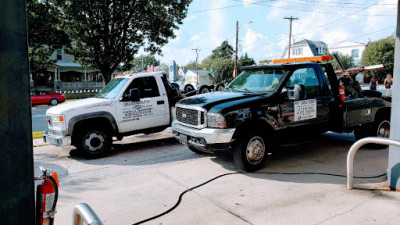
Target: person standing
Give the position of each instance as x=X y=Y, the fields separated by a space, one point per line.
x=373 y=84
x=388 y=83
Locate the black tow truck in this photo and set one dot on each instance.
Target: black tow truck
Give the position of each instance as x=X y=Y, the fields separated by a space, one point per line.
x=271 y=105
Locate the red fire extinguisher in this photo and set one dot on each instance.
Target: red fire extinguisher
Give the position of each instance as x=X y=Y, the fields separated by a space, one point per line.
x=341 y=93
x=46 y=198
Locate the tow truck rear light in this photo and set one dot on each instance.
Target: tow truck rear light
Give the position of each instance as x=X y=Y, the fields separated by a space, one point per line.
x=304 y=59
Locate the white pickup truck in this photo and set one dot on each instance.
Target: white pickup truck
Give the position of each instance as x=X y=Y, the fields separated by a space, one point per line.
x=129 y=104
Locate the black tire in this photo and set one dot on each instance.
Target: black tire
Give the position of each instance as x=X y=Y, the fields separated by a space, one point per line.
x=53 y=102
x=94 y=142
x=362 y=133
x=204 y=89
x=381 y=128
x=219 y=87
x=251 y=151
x=188 y=88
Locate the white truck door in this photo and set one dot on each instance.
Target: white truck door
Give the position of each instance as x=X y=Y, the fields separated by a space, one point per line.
x=150 y=111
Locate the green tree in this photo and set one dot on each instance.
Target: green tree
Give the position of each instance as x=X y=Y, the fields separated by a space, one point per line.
x=108 y=33
x=45 y=35
x=191 y=65
x=265 y=61
x=223 y=69
x=347 y=61
x=380 y=52
x=206 y=63
x=245 y=61
x=140 y=63
x=225 y=50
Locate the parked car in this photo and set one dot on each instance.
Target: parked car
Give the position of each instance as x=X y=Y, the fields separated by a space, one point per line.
x=46 y=97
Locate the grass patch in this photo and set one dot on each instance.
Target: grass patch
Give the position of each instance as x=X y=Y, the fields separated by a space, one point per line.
x=37 y=134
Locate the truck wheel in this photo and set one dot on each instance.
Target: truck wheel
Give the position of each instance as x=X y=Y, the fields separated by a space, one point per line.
x=250 y=152
x=188 y=87
x=94 y=142
x=204 y=89
x=219 y=87
x=383 y=128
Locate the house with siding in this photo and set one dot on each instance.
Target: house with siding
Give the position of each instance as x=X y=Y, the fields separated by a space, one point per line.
x=305 y=48
x=65 y=74
x=353 y=49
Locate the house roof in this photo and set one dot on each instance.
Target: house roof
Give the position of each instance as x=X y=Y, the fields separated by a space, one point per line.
x=68 y=64
x=314 y=45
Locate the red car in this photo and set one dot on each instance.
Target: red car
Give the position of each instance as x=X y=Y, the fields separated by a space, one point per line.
x=46 y=97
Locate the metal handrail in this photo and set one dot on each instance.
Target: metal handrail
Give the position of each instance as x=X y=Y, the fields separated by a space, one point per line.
x=83 y=214
x=354 y=148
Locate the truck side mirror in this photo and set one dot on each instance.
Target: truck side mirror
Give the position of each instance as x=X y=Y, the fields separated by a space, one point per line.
x=134 y=95
x=299 y=92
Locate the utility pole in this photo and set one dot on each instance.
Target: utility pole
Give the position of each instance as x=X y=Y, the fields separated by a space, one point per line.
x=290 y=32
x=236 y=48
x=17 y=202
x=236 y=45
x=393 y=171
x=197 y=69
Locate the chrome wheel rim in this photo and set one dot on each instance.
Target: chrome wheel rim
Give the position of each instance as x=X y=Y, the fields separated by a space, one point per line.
x=94 y=142
x=205 y=90
x=255 y=150
x=383 y=129
x=53 y=102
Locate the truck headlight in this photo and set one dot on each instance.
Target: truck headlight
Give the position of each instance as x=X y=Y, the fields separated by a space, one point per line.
x=58 y=121
x=216 y=120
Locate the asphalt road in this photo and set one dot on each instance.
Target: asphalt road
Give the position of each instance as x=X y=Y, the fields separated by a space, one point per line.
x=39 y=118
x=144 y=175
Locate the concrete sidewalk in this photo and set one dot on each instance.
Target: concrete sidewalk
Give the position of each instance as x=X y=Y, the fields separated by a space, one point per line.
x=245 y=198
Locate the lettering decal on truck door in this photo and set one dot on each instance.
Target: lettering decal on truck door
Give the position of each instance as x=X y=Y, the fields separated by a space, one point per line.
x=305 y=109
x=135 y=110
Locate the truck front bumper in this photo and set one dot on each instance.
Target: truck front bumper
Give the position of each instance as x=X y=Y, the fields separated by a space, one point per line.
x=206 y=139
x=56 y=139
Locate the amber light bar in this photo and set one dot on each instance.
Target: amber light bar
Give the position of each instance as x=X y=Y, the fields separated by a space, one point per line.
x=304 y=59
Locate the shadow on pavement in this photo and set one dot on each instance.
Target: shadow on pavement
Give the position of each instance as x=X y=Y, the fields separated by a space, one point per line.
x=327 y=154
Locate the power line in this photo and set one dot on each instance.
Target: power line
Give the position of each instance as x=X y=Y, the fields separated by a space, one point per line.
x=281 y=7
x=339 y=42
x=330 y=23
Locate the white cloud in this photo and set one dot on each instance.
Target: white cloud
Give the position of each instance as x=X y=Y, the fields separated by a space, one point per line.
x=247 y=3
x=194 y=39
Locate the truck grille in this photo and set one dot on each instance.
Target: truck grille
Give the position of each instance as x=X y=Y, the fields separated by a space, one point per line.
x=191 y=117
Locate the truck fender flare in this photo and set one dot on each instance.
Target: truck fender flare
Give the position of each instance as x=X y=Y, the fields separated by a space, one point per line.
x=381 y=112
x=94 y=115
x=257 y=123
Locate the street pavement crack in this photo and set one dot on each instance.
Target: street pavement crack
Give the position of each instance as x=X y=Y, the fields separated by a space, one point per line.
x=347 y=211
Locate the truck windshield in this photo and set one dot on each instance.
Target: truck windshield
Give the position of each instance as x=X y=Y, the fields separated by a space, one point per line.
x=257 y=80
x=112 y=89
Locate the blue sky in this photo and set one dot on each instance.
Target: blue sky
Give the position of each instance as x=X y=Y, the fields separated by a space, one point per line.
x=210 y=22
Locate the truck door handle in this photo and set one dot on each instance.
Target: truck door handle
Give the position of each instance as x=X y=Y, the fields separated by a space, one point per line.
x=160 y=102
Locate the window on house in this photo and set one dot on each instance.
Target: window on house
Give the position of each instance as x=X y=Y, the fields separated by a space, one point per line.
x=354 y=53
x=59 y=54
